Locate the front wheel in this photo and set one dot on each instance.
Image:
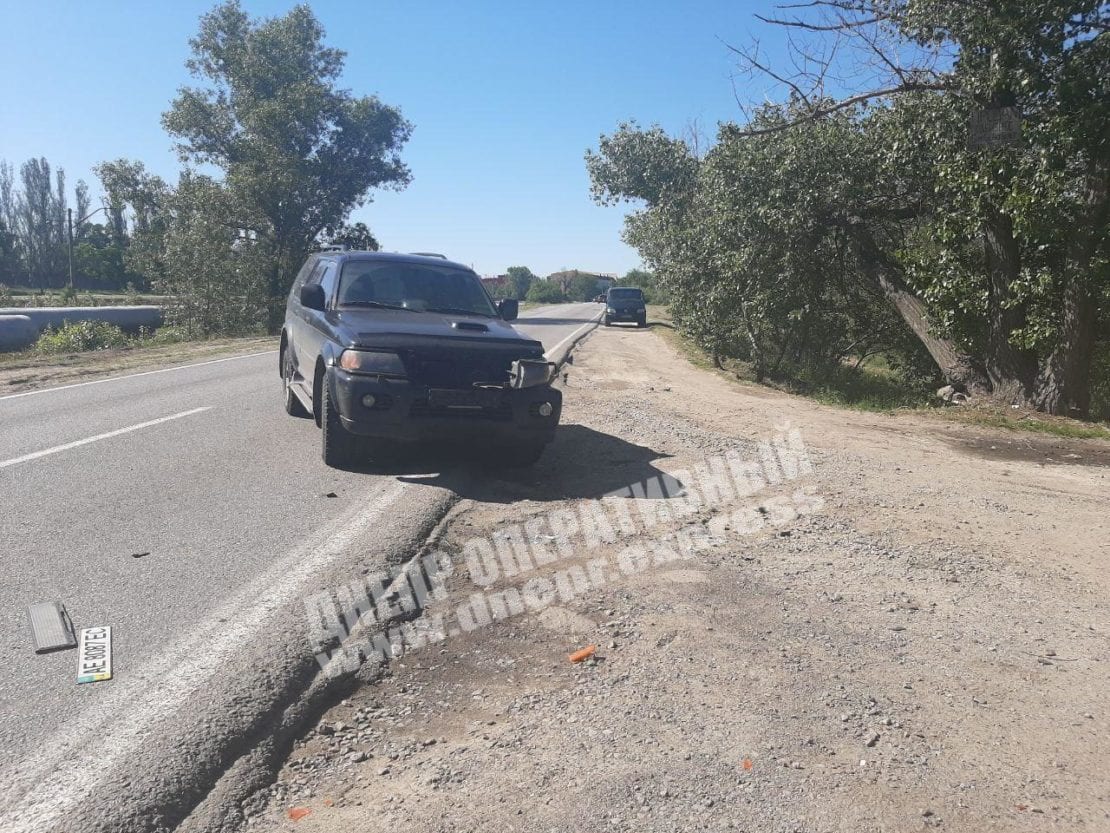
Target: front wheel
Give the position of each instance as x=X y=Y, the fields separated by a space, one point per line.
x=605 y=321
x=336 y=442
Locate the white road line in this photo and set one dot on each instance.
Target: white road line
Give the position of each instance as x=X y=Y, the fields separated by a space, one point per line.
x=591 y=323
x=134 y=375
x=34 y=455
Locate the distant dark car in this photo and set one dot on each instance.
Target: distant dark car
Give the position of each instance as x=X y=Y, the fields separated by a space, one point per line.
x=625 y=303
x=407 y=348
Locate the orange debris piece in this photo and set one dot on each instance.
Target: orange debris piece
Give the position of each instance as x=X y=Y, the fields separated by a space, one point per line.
x=585 y=653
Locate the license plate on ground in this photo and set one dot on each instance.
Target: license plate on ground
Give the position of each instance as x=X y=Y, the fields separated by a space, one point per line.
x=94 y=655
x=467 y=399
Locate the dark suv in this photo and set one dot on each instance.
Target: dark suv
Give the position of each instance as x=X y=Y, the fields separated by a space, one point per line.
x=625 y=303
x=406 y=348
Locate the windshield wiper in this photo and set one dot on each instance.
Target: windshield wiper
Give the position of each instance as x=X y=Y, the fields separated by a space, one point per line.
x=459 y=311
x=375 y=304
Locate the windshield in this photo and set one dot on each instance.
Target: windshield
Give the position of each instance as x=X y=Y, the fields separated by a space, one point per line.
x=413 y=286
x=625 y=294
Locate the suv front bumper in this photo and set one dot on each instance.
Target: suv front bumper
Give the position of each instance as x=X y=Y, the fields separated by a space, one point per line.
x=402 y=411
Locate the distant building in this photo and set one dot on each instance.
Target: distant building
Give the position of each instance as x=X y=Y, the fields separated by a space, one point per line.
x=495 y=280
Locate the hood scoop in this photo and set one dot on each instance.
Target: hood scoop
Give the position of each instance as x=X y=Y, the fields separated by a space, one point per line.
x=470 y=326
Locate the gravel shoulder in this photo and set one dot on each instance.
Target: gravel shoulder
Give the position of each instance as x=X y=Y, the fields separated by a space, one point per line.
x=924 y=646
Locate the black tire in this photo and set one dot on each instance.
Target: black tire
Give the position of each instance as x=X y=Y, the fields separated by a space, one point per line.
x=336 y=442
x=293 y=405
x=605 y=321
x=641 y=322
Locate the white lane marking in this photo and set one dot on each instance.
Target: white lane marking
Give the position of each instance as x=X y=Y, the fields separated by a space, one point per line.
x=591 y=323
x=134 y=375
x=73 y=764
x=34 y=455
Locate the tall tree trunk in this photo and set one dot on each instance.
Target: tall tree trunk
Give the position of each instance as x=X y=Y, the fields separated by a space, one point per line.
x=1011 y=371
x=1064 y=384
x=957 y=367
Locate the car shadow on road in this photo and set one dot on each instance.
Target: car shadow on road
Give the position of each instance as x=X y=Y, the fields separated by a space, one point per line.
x=580 y=463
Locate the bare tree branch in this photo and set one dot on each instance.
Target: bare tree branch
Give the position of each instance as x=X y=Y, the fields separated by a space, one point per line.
x=822 y=111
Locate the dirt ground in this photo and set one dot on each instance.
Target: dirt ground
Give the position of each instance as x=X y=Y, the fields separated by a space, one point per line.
x=925 y=646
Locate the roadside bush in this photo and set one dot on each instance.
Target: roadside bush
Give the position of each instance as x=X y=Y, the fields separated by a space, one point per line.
x=75 y=337
x=165 y=335
x=545 y=292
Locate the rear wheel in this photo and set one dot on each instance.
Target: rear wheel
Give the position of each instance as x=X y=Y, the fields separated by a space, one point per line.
x=293 y=405
x=336 y=442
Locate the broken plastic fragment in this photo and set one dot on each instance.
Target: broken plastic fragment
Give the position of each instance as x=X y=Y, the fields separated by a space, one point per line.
x=298 y=813
x=747 y=764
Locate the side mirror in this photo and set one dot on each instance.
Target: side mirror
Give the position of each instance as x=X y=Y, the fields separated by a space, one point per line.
x=508 y=309
x=312 y=297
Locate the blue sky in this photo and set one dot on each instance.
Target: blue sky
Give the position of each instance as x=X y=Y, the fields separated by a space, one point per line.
x=505 y=99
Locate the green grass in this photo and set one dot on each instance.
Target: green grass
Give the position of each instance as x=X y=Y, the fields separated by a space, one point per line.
x=875 y=387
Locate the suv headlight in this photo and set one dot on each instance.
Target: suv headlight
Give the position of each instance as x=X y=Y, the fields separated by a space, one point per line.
x=610 y=309
x=372 y=362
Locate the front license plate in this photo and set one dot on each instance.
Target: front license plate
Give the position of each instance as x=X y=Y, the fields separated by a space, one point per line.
x=94 y=655
x=467 y=399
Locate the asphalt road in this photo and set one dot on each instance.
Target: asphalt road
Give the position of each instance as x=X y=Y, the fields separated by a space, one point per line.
x=200 y=468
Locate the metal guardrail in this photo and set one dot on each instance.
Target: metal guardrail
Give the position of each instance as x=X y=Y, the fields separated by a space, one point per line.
x=21 y=326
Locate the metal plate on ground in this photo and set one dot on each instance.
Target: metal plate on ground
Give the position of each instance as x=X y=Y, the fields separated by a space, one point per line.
x=94 y=655
x=51 y=629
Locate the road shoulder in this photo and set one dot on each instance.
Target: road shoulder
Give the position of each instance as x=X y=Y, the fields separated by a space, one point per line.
x=923 y=645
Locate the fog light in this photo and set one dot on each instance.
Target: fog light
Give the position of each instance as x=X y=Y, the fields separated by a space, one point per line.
x=545 y=409
x=369 y=400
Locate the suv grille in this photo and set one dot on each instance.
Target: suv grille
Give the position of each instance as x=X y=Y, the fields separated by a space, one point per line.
x=460 y=370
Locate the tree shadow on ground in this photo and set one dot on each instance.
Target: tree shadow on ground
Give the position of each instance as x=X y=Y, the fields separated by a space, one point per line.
x=580 y=463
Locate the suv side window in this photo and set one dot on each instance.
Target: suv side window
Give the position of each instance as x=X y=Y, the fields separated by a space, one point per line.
x=327 y=280
x=302 y=275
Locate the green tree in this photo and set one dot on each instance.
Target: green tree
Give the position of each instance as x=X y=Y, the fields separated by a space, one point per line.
x=130 y=188
x=357 y=236
x=823 y=228
x=1010 y=259
x=582 y=287
x=297 y=151
x=545 y=292
x=521 y=278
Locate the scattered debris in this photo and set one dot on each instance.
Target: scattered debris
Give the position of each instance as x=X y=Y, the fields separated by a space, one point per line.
x=51 y=628
x=952 y=396
x=331 y=494
x=298 y=813
x=747 y=764
x=585 y=653
x=140 y=554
